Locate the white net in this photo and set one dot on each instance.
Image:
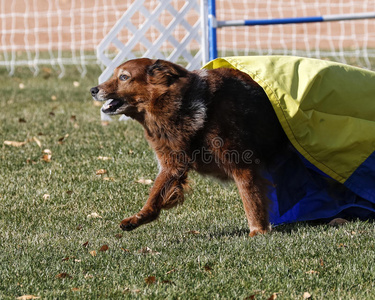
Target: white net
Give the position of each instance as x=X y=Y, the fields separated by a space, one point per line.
x=55 y=32
x=351 y=42
x=67 y=32
x=34 y=33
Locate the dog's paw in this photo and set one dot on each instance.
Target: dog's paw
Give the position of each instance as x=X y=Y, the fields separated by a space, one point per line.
x=258 y=231
x=129 y=224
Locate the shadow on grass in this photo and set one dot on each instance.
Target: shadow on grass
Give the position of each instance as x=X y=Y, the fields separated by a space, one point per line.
x=244 y=231
x=284 y=228
x=240 y=232
x=291 y=228
x=321 y=224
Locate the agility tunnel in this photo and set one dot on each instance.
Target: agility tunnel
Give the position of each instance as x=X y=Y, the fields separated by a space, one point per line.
x=327 y=110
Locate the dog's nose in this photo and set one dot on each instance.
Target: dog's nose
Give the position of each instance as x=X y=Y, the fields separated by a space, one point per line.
x=94 y=91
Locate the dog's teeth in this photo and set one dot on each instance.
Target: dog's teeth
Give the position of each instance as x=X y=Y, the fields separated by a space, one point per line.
x=107 y=104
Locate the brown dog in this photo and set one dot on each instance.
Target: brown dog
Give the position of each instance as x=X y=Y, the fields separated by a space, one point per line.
x=217 y=122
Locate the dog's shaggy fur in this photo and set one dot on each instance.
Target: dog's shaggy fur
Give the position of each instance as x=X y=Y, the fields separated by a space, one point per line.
x=217 y=122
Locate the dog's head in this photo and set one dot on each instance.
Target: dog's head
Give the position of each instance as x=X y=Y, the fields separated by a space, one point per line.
x=138 y=85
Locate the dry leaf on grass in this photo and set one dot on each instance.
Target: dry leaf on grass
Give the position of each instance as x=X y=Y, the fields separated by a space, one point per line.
x=47 y=155
x=46 y=196
x=75 y=289
x=63 y=275
x=20 y=144
x=207 y=268
x=85 y=244
x=144 y=181
x=101 y=172
x=29 y=161
x=93 y=253
x=27 y=297
x=94 y=215
x=62 y=139
x=306 y=295
x=147 y=250
x=193 y=232
x=37 y=141
x=128 y=290
x=47 y=72
x=21 y=120
x=338 y=222
x=109 y=179
x=150 y=279
x=104 y=248
x=15 y=143
x=104 y=157
x=273 y=296
x=256 y=292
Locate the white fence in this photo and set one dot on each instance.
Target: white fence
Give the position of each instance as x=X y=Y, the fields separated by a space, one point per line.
x=179 y=27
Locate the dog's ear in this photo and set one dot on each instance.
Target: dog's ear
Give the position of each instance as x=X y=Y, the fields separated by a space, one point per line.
x=165 y=72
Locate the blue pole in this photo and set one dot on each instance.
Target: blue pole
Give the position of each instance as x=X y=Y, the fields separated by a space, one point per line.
x=212 y=24
x=323 y=18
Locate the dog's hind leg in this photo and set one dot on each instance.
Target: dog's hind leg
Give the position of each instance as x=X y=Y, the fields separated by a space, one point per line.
x=166 y=192
x=253 y=191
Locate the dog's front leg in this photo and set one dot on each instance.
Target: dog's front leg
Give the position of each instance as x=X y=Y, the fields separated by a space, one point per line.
x=166 y=192
x=253 y=192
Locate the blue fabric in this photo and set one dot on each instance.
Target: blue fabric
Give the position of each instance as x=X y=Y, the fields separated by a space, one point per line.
x=362 y=181
x=302 y=192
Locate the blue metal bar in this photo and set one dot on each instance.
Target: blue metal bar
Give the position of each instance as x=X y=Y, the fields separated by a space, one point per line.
x=212 y=24
x=324 y=18
x=260 y=22
x=284 y=21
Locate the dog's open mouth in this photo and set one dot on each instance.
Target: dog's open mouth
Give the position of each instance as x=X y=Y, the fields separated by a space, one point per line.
x=112 y=105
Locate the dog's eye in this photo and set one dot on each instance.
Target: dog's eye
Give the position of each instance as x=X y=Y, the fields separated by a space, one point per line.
x=124 y=77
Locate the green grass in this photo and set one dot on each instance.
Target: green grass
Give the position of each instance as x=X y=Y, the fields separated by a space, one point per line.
x=42 y=237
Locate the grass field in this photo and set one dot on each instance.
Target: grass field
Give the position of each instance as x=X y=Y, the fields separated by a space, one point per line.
x=59 y=233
